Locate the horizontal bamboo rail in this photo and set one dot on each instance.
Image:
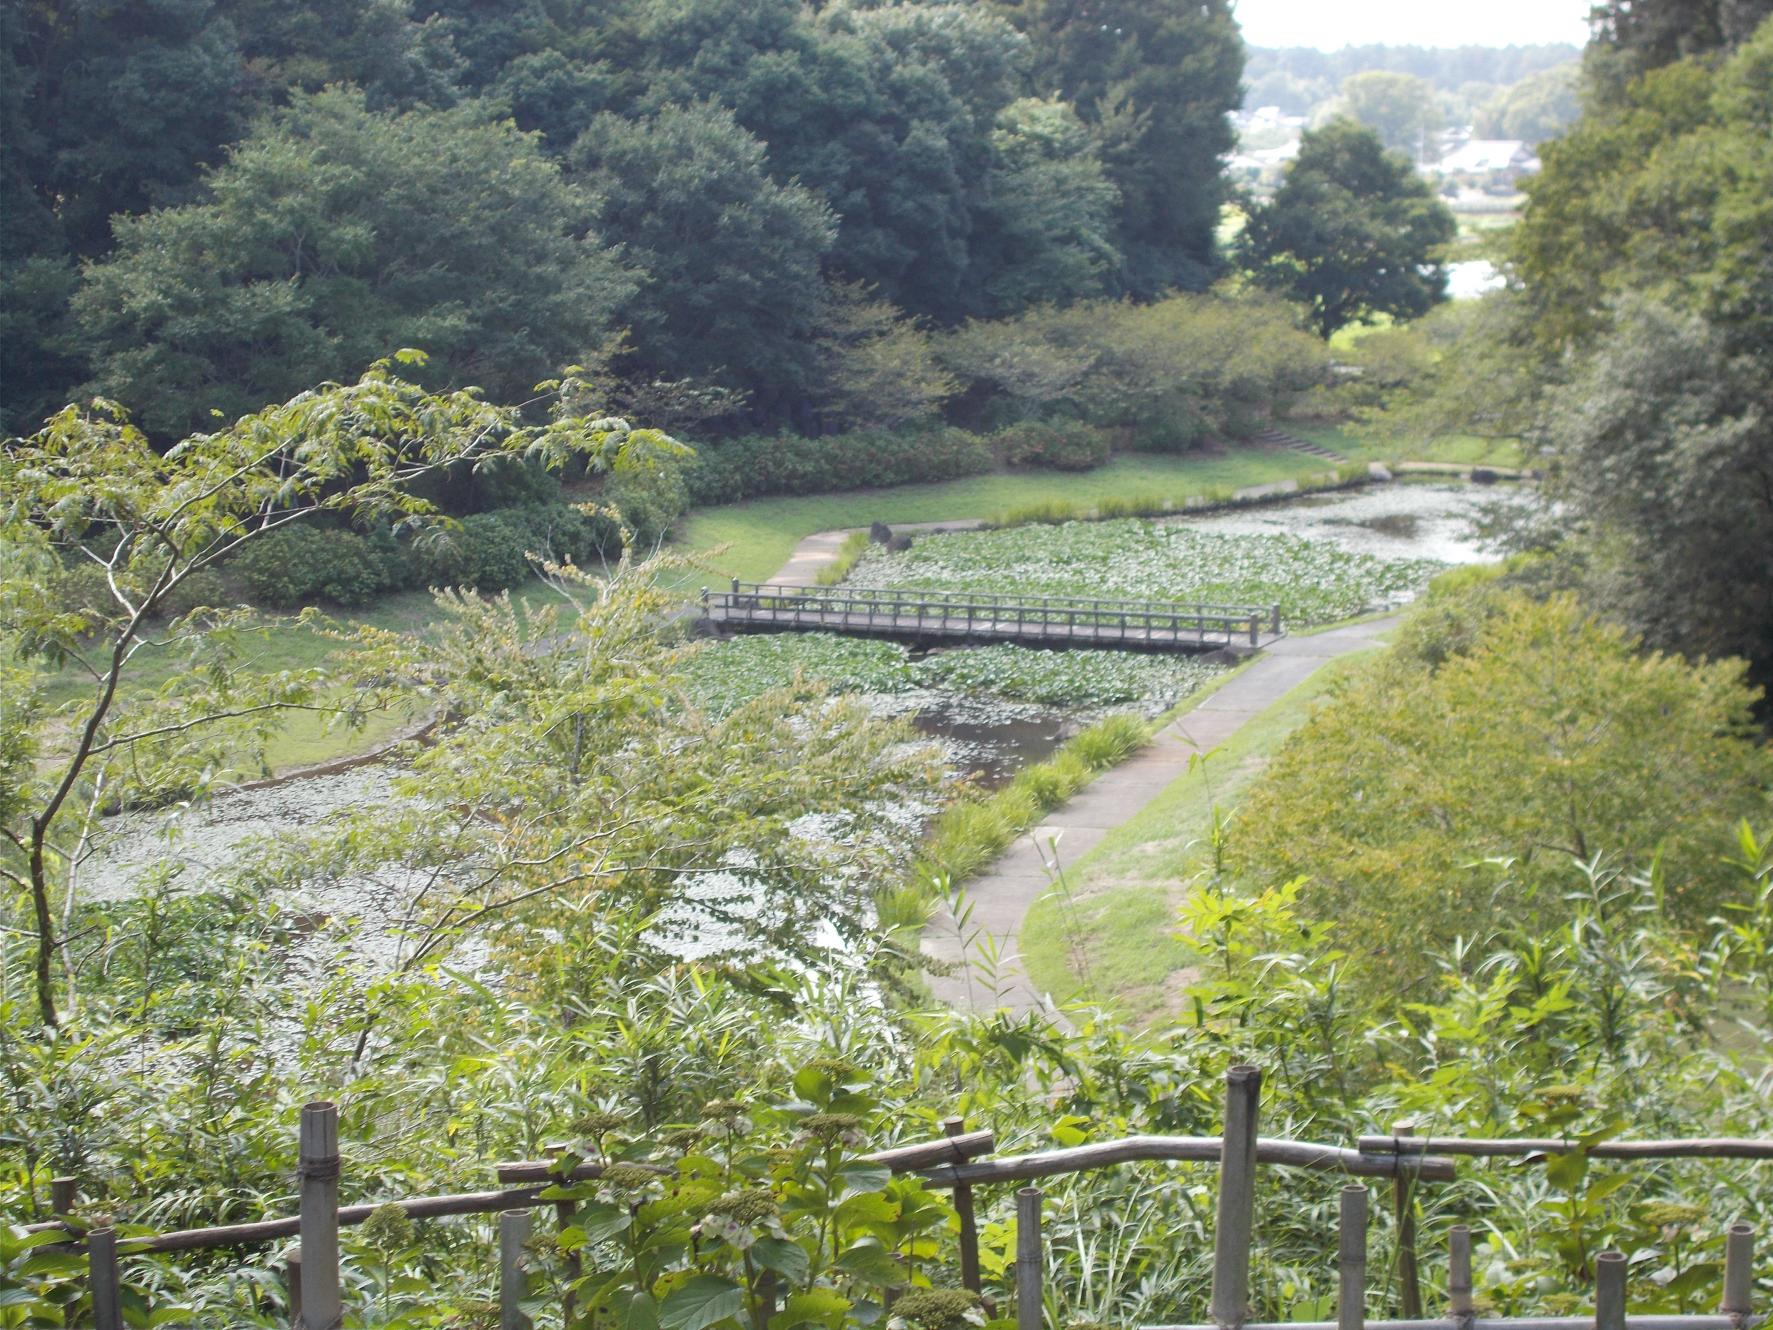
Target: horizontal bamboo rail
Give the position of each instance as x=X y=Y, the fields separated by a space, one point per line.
x=1720 y=1147
x=1716 y=1322
x=1185 y=1149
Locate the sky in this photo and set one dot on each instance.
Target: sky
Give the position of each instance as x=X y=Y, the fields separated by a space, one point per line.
x=1330 y=24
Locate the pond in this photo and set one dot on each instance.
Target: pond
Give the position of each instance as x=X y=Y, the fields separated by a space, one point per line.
x=1411 y=520
x=987 y=738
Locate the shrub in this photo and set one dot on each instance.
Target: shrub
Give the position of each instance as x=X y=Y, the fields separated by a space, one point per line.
x=1446 y=790
x=755 y=465
x=491 y=551
x=201 y=588
x=650 y=500
x=303 y=564
x=1065 y=445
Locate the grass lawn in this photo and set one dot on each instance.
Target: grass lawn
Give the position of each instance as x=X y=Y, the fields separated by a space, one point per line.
x=1366 y=446
x=763 y=532
x=305 y=739
x=1114 y=918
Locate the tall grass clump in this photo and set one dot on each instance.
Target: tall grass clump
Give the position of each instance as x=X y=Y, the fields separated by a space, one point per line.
x=1047 y=512
x=1132 y=505
x=854 y=546
x=968 y=835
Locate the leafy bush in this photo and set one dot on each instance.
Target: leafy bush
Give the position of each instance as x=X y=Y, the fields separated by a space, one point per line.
x=304 y=564
x=754 y=465
x=1065 y=445
x=1441 y=792
x=491 y=551
x=204 y=587
x=650 y=500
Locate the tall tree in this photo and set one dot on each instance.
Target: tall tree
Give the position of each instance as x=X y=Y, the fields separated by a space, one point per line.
x=1399 y=108
x=1157 y=77
x=1352 y=232
x=1054 y=208
x=732 y=292
x=333 y=235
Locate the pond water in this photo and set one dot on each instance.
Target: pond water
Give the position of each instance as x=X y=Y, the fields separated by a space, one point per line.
x=987 y=740
x=1413 y=520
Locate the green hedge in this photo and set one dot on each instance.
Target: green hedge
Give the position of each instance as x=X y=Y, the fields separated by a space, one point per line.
x=755 y=465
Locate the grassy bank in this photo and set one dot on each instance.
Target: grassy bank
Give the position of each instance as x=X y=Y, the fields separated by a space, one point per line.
x=762 y=533
x=1107 y=933
x=971 y=833
x=1360 y=445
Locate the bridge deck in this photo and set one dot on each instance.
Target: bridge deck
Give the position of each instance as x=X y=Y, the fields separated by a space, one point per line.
x=936 y=617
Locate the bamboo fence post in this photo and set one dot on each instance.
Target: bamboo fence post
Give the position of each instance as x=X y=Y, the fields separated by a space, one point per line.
x=1460 y=1307
x=1029 y=1311
x=1403 y=1199
x=1739 y=1251
x=1232 y=1232
x=1609 y=1291
x=64 y=1195
x=969 y=1220
x=322 y=1301
x=101 y=1266
x=1351 y=1286
x=292 y=1274
x=514 y=1229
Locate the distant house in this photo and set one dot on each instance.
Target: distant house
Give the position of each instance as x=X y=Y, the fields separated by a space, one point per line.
x=1493 y=161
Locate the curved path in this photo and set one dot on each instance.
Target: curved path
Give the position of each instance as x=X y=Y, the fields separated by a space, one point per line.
x=1001 y=895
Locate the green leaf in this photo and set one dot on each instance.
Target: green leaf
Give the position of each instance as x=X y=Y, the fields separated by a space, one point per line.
x=701 y=1301
x=783 y=1256
x=871 y=1263
x=641 y=1312
x=813 y=1306
x=864 y=1177
x=1567 y=1170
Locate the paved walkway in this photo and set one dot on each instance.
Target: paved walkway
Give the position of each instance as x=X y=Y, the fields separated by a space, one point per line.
x=1001 y=896
x=819 y=550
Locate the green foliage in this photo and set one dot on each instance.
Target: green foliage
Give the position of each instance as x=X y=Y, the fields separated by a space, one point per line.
x=1161 y=136
x=88 y=488
x=732 y=291
x=1054 y=207
x=756 y=465
x=1352 y=232
x=304 y=565
x=1399 y=108
x=724 y=675
x=1312 y=582
x=297 y=265
x=879 y=369
x=1168 y=375
x=968 y=835
x=1445 y=789
x=1064 y=445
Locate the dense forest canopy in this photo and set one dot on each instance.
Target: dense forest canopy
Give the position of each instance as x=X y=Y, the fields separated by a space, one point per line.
x=190 y=213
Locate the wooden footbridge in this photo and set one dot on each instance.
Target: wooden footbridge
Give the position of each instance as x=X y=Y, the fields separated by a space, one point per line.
x=937 y=617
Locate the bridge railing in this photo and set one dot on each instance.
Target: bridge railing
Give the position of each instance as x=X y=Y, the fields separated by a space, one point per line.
x=953 y=613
